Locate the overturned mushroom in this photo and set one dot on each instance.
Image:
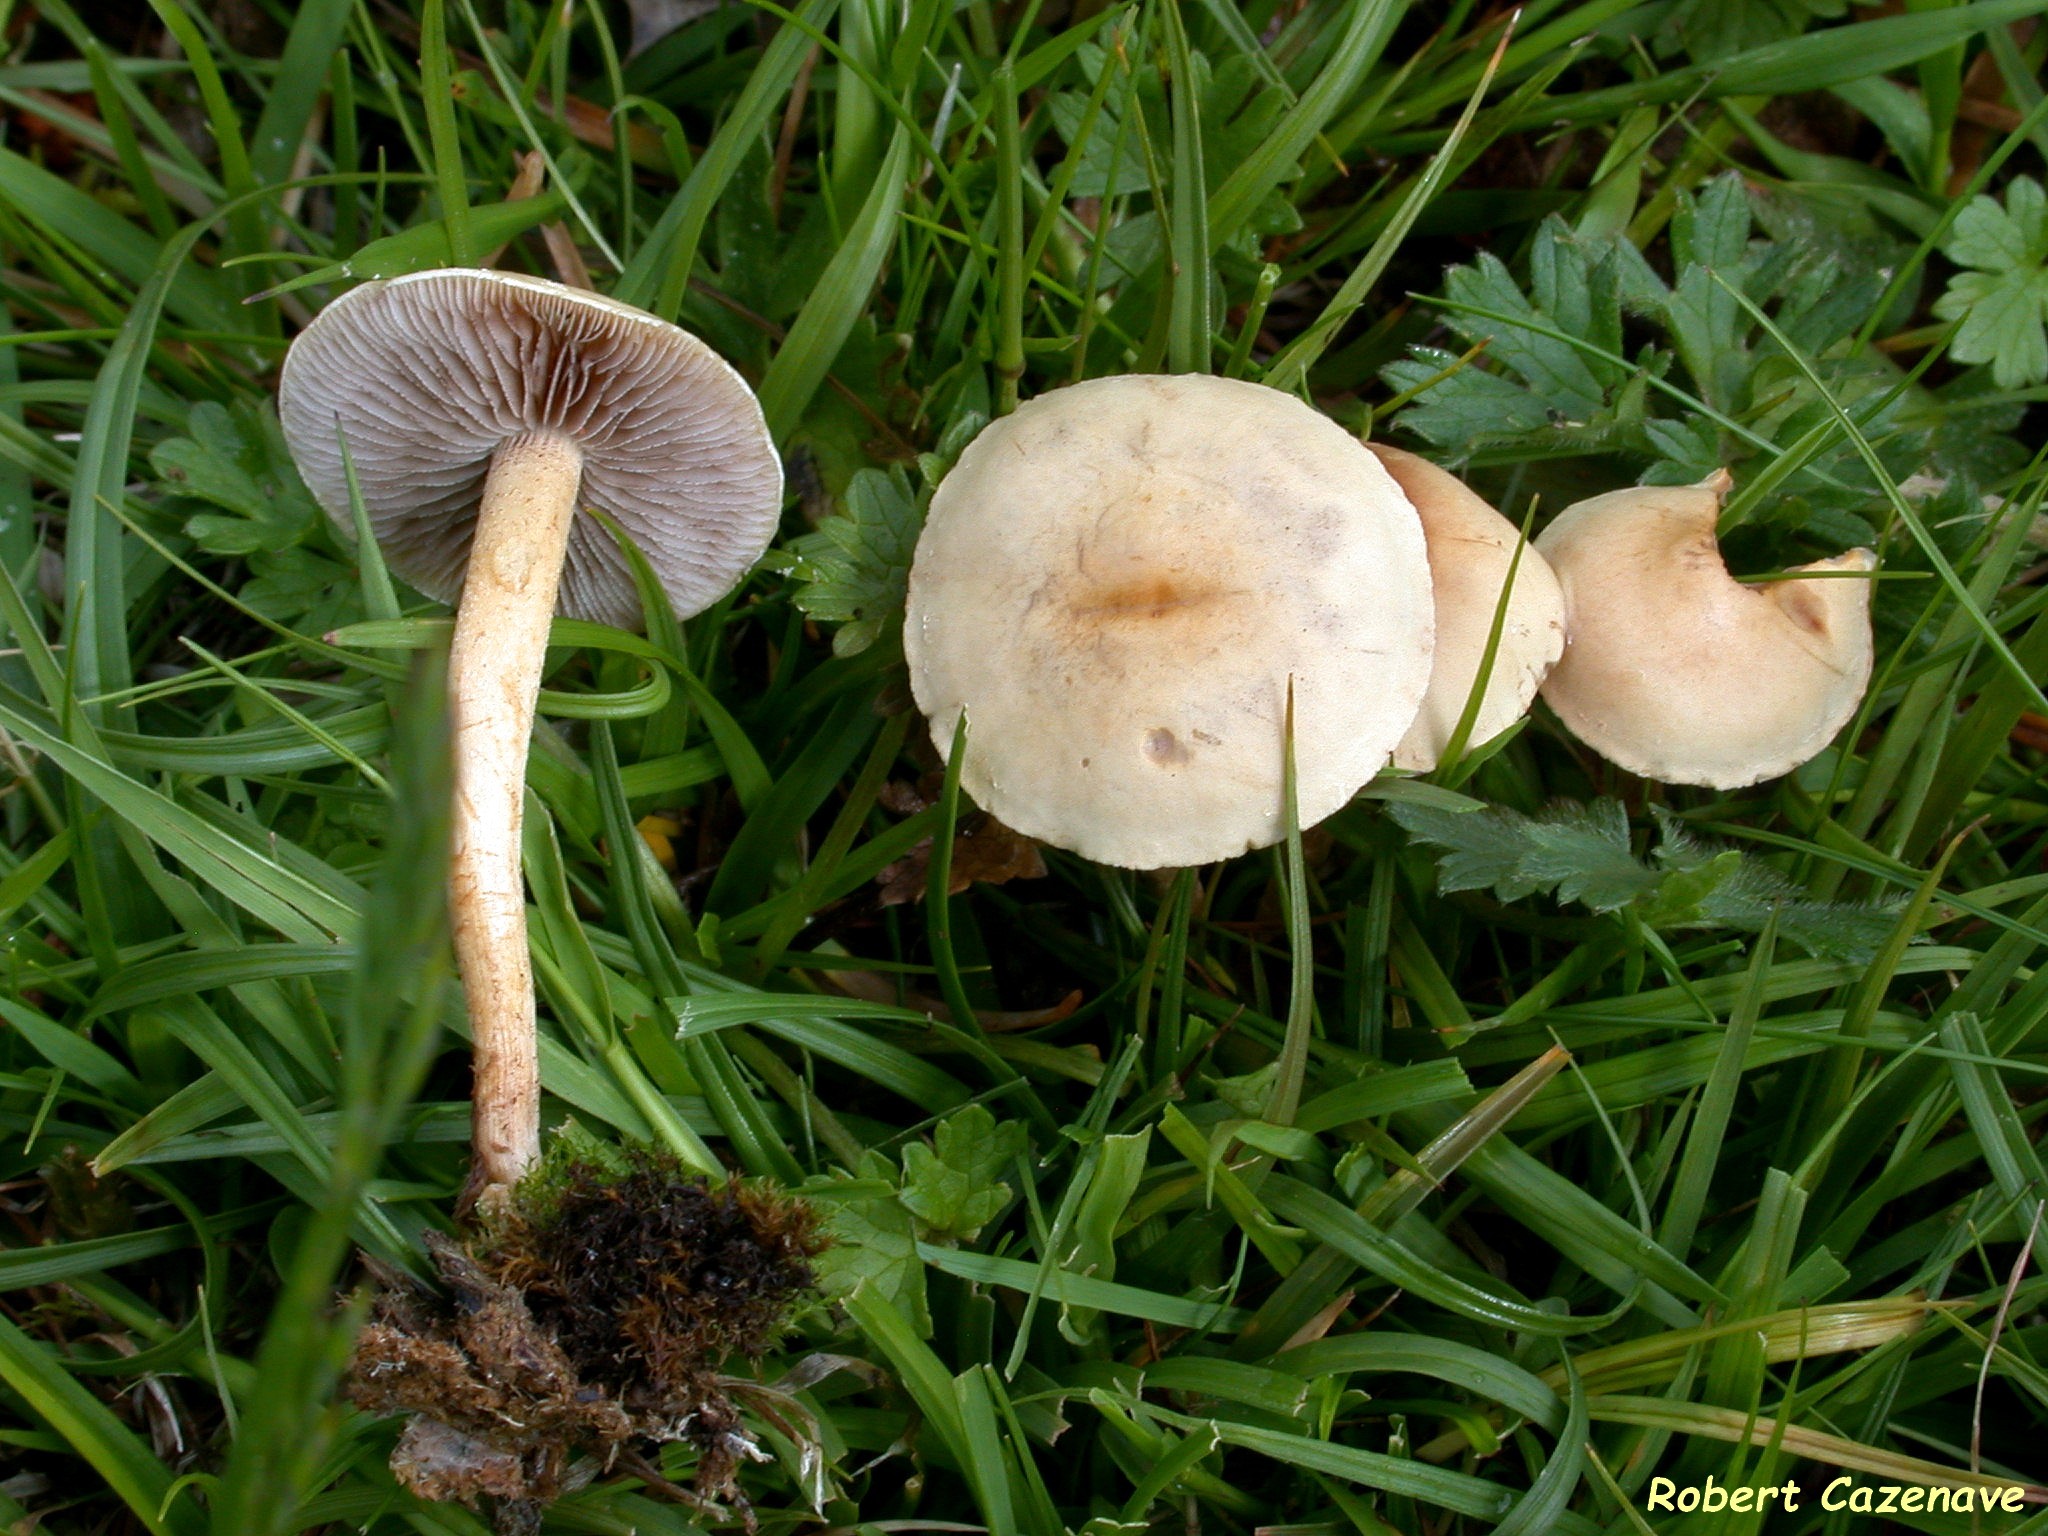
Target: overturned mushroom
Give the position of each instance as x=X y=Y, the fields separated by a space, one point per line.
x=1471 y=548
x=1675 y=670
x=1118 y=584
x=481 y=411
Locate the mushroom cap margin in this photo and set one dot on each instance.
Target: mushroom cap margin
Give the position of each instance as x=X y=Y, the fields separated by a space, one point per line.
x=426 y=375
x=1471 y=547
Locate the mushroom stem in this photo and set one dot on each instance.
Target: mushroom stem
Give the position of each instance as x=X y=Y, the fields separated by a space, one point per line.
x=501 y=637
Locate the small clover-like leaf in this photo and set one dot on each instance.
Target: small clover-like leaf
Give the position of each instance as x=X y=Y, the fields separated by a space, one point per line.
x=2002 y=301
x=1995 y=238
x=235 y=464
x=853 y=570
x=874 y=1240
x=953 y=1187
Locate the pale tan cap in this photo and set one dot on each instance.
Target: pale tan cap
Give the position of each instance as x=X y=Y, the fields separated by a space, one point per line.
x=1118 y=582
x=427 y=375
x=1676 y=671
x=1471 y=548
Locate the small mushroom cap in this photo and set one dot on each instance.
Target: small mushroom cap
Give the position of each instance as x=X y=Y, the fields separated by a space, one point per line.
x=1471 y=547
x=1117 y=583
x=1676 y=671
x=427 y=375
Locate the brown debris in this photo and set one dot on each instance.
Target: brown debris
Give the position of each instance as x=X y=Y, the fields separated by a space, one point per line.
x=581 y=1328
x=873 y=987
x=659 y=1273
x=1983 y=112
x=81 y=1203
x=504 y=1409
x=437 y=1462
x=984 y=851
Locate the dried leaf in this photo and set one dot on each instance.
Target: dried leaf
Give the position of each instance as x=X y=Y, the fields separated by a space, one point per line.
x=985 y=852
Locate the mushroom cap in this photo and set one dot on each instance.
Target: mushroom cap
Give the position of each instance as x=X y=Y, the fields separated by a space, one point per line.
x=1471 y=547
x=427 y=375
x=1117 y=583
x=1676 y=671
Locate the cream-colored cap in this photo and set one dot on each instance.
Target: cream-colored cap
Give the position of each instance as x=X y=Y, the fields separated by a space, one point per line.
x=1676 y=671
x=1118 y=582
x=1471 y=547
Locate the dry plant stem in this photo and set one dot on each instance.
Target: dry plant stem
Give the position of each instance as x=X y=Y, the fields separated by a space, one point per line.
x=501 y=637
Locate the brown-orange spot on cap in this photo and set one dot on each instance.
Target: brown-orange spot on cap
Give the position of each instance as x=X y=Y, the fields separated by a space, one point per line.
x=1145 y=597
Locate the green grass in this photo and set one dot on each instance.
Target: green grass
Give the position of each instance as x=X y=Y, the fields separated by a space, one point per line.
x=1299 y=1193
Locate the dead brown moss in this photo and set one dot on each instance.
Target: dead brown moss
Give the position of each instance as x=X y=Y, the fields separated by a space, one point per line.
x=652 y=1274
x=583 y=1325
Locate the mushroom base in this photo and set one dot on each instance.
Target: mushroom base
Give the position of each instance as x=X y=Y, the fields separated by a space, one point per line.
x=537 y=1358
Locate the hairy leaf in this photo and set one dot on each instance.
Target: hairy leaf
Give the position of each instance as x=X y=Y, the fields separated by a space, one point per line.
x=1581 y=854
x=1578 y=852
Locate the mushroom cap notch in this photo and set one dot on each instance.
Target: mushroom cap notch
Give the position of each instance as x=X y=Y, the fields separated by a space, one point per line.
x=1119 y=582
x=1676 y=671
x=426 y=376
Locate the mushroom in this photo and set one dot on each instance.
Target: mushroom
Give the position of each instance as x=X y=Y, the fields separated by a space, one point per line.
x=480 y=411
x=1120 y=583
x=1676 y=671
x=1471 y=548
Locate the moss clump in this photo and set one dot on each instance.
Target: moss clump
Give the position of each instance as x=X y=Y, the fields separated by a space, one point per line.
x=586 y=1317
x=645 y=1277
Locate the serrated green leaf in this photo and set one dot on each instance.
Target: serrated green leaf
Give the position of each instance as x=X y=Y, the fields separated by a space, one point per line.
x=1681 y=895
x=1728 y=889
x=1581 y=854
x=1538 y=381
x=2003 y=302
x=874 y=1242
x=954 y=1186
x=1112 y=164
x=302 y=588
x=2003 y=314
x=1994 y=238
x=1710 y=30
x=1556 y=376
x=236 y=462
x=852 y=571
